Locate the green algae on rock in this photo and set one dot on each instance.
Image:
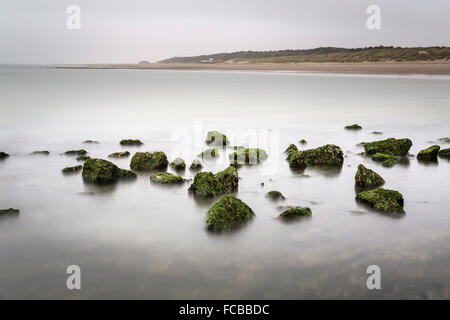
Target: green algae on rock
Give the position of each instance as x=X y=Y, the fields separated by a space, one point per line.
x=3 y=155
x=72 y=169
x=303 y=141
x=444 y=153
x=391 y=146
x=385 y=159
x=367 y=178
x=291 y=147
x=9 y=211
x=275 y=195
x=297 y=212
x=127 y=174
x=75 y=152
x=206 y=185
x=144 y=161
x=229 y=178
x=328 y=155
x=384 y=200
x=83 y=158
x=228 y=213
x=178 y=164
x=165 y=178
x=216 y=138
x=131 y=142
x=196 y=165
x=353 y=127
x=119 y=154
x=103 y=171
x=209 y=154
x=249 y=156
x=296 y=160
x=429 y=154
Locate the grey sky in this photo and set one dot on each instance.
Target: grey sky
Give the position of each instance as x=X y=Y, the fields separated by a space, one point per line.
x=113 y=31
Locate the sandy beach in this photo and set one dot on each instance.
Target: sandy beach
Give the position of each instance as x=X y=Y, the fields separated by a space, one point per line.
x=400 y=68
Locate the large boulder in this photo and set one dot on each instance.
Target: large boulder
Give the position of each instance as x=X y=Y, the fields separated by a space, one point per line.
x=248 y=156
x=429 y=154
x=206 y=185
x=228 y=213
x=131 y=142
x=229 y=178
x=297 y=212
x=144 y=161
x=391 y=146
x=328 y=155
x=444 y=153
x=178 y=164
x=102 y=171
x=216 y=138
x=389 y=201
x=385 y=159
x=165 y=178
x=3 y=155
x=367 y=178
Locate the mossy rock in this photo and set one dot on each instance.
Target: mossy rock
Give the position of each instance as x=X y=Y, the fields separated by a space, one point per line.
x=9 y=211
x=196 y=165
x=275 y=195
x=297 y=212
x=296 y=160
x=291 y=147
x=229 y=178
x=72 y=169
x=391 y=146
x=131 y=142
x=353 y=127
x=144 y=161
x=249 y=156
x=165 y=178
x=429 y=154
x=127 y=174
x=444 y=153
x=90 y=141
x=3 y=155
x=209 y=154
x=178 y=164
x=367 y=178
x=206 y=185
x=384 y=200
x=41 y=152
x=123 y=154
x=328 y=155
x=75 y=152
x=228 y=213
x=102 y=171
x=236 y=164
x=302 y=141
x=216 y=138
x=83 y=158
x=385 y=159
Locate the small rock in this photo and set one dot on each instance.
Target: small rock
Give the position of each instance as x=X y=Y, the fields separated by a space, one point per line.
x=178 y=164
x=303 y=141
x=275 y=195
x=75 y=152
x=83 y=158
x=72 y=169
x=384 y=200
x=249 y=156
x=101 y=171
x=9 y=211
x=131 y=142
x=292 y=147
x=444 y=140
x=297 y=212
x=43 y=152
x=209 y=154
x=165 y=178
x=367 y=178
x=391 y=146
x=429 y=154
x=206 y=185
x=143 y=161
x=119 y=154
x=444 y=153
x=229 y=178
x=216 y=138
x=353 y=127
x=385 y=159
x=228 y=213
x=3 y=155
x=91 y=141
x=196 y=165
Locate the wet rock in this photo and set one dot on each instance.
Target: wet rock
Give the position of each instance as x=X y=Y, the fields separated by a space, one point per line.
x=3 y=155
x=123 y=154
x=75 y=152
x=143 y=161
x=376 y=132
x=228 y=213
x=328 y=155
x=196 y=165
x=353 y=127
x=275 y=195
x=444 y=140
x=229 y=178
x=297 y=212
x=292 y=147
x=83 y=158
x=389 y=201
x=206 y=185
x=303 y=141
x=367 y=178
x=41 y=152
x=165 y=178
x=296 y=160
x=72 y=169
x=209 y=154
x=391 y=146
x=249 y=156
x=127 y=174
x=216 y=138
x=101 y=171
x=429 y=154
x=385 y=159
x=131 y=142
x=444 y=153
x=9 y=211
x=178 y=164
x=90 y=141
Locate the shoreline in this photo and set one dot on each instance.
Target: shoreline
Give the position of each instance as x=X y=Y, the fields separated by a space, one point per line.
x=380 y=68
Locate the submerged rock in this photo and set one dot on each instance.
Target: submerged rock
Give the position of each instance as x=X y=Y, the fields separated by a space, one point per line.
x=229 y=178
x=41 y=152
x=209 y=153
x=249 y=156
x=131 y=142
x=165 y=178
x=353 y=127
x=119 y=154
x=3 y=155
x=385 y=159
x=391 y=146
x=275 y=195
x=102 y=171
x=216 y=138
x=297 y=212
x=83 y=158
x=90 y=141
x=206 y=185
x=72 y=169
x=444 y=153
x=429 y=154
x=303 y=141
x=444 y=140
x=9 y=211
x=143 y=161
x=328 y=155
x=228 y=213
x=178 y=164
x=384 y=200
x=127 y=174
x=367 y=178
x=376 y=132
x=291 y=147
x=196 y=165
x=75 y=152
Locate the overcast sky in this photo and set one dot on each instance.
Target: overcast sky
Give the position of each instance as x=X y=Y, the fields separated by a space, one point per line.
x=126 y=31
